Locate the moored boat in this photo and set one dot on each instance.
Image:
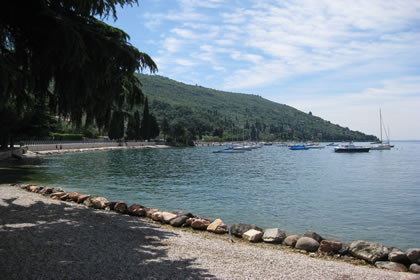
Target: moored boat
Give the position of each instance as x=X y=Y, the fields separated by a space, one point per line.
x=351 y=148
x=298 y=147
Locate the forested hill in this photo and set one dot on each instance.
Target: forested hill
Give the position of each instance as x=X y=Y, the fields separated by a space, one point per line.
x=208 y=113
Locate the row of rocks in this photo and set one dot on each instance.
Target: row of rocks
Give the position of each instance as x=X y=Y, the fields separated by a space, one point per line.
x=374 y=253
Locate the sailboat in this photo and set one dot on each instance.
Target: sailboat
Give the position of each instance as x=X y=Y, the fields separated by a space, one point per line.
x=381 y=145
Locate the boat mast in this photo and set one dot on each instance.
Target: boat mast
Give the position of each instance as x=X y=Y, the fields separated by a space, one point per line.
x=380 y=122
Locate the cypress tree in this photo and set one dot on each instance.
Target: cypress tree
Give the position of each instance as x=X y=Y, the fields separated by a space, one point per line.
x=145 y=122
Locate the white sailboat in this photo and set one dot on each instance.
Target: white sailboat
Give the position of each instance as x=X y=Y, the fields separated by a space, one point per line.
x=381 y=145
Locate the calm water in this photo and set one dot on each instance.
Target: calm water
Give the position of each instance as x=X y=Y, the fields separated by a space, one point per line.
x=371 y=196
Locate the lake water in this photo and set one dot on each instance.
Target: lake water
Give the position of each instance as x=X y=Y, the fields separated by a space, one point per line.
x=371 y=196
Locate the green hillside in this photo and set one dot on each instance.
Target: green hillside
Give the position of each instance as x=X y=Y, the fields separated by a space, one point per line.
x=207 y=113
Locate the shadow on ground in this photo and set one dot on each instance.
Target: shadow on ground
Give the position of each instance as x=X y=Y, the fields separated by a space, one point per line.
x=59 y=241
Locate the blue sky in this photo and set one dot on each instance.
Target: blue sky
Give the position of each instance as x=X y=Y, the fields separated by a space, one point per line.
x=341 y=60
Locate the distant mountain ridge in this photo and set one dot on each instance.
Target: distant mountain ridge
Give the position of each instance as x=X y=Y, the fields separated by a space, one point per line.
x=208 y=112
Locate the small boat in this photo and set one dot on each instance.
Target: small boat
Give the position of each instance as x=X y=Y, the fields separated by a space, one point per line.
x=230 y=150
x=381 y=147
x=351 y=148
x=298 y=147
x=316 y=147
x=332 y=144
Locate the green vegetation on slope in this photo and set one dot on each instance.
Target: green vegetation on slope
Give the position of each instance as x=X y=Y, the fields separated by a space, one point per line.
x=205 y=113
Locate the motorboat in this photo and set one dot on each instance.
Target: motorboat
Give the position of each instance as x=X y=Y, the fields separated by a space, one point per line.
x=351 y=148
x=298 y=147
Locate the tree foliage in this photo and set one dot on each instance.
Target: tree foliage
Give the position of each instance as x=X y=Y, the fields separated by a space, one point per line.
x=59 y=54
x=207 y=112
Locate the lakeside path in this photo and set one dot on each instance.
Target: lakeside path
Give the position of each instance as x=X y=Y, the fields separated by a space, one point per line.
x=41 y=238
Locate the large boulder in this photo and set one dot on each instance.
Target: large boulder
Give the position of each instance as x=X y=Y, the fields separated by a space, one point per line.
x=391 y=266
x=136 y=210
x=46 y=190
x=120 y=207
x=57 y=195
x=396 y=255
x=218 y=226
x=88 y=202
x=414 y=255
x=178 y=221
x=328 y=247
x=239 y=229
x=369 y=251
x=150 y=212
x=166 y=217
x=308 y=244
x=157 y=216
x=34 y=188
x=252 y=235
x=82 y=197
x=183 y=213
x=274 y=235
x=291 y=240
x=199 y=224
x=313 y=235
x=415 y=268
x=73 y=196
x=99 y=202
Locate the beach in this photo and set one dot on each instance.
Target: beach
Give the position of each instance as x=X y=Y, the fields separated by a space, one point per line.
x=43 y=238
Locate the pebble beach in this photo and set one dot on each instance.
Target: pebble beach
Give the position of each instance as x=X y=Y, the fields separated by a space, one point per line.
x=42 y=238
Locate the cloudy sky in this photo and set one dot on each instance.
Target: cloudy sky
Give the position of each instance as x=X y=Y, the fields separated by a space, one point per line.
x=341 y=60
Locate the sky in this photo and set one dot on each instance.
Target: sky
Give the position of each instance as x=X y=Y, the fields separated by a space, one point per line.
x=341 y=60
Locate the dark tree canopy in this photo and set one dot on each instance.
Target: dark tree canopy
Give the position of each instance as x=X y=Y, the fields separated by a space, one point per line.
x=58 y=53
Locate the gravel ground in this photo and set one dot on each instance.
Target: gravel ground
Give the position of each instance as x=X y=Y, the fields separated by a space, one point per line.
x=41 y=238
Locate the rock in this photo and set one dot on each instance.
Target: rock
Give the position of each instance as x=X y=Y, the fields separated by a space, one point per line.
x=120 y=207
x=58 y=189
x=329 y=247
x=308 y=244
x=156 y=216
x=274 y=235
x=183 y=213
x=239 y=229
x=99 y=202
x=291 y=240
x=414 y=255
x=150 y=212
x=65 y=197
x=88 y=202
x=136 y=210
x=57 y=195
x=166 y=217
x=73 y=196
x=199 y=224
x=415 y=268
x=46 y=191
x=391 y=266
x=178 y=221
x=313 y=235
x=396 y=255
x=218 y=226
x=344 y=250
x=82 y=197
x=252 y=235
x=369 y=251
x=35 y=189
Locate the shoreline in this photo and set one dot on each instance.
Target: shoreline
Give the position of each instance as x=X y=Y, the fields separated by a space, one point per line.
x=202 y=251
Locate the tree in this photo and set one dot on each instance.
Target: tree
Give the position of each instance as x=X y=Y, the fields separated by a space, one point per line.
x=116 y=127
x=133 y=126
x=59 y=53
x=145 y=122
x=154 y=127
x=165 y=127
